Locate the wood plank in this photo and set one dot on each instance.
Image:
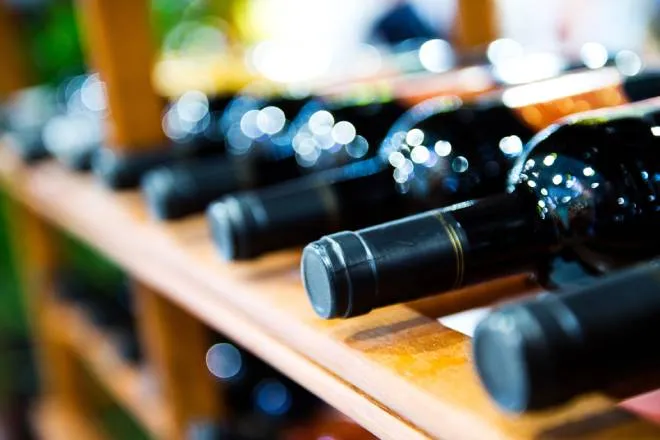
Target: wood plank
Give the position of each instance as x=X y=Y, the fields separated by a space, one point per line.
x=15 y=73
x=398 y=362
x=476 y=24
x=54 y=420
x=120 y=46
x=176 y=344
x=129 y=386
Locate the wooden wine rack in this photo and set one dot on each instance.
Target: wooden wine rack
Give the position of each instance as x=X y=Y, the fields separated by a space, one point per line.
x=396 y=371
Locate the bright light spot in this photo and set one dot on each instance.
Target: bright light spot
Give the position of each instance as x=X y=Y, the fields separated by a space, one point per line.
x=460 y=164
x=436 y=55
x=504 y=49
x=531 y=184
x=249 y=124
x=271 y=120
x=343 y=132
x=358 y=148
x=528 y=68
x=541 y=203
x=400 y=176
x=564 y=85
x=529 y=164
x=549 y=159
x=620 y=200
x=321 y=122
x=192 y=106
x=511 y=145
x=290 y=62
x=272 y=397
x=588 y=172
x=595 y=185
x=655 y=130
x=544 y=191
x=415 y=137
x=420 y=154
x=628 y=62
x=396 y=159
x=557 y=179
x=593 y=55
x=645 y=175
x=92 y=94
x=442 y=148
x=408 y=166
x=224 y=360
x=306 y=146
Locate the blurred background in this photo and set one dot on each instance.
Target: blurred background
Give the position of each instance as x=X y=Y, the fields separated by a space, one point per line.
x=222 y=46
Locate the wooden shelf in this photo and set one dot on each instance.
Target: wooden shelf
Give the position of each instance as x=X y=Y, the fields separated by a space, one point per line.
x=396 y=371
x=54 y=420
x=129 y=386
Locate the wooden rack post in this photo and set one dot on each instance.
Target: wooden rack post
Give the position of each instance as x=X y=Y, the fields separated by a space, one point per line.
x=36 y=257
x=176 y=345
x=120 y=47
x=476 y=24
x=15 y=73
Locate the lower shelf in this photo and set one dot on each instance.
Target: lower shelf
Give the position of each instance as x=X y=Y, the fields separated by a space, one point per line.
x=128 y=385
x=54 y=420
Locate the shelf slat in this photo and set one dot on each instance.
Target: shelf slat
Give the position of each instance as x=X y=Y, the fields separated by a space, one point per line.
x=396 y=370
x=54 y=420
x=125 y=383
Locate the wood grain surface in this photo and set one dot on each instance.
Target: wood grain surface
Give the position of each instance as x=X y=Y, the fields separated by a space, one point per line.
x=397 y=371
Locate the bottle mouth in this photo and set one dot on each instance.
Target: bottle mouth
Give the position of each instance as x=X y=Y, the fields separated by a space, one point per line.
x=339 y=276
x=160 y=192
x=233 y=227
x=514 y=360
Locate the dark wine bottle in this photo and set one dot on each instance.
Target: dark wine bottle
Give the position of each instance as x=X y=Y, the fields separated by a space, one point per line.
x=257 y=134
x=105 y=306
x=192 y=124
x=75 y=134
x=541 y=352
x=25 y=114
x=261 y=401
x=585 y=186
x=273 y=141
x=441 y=152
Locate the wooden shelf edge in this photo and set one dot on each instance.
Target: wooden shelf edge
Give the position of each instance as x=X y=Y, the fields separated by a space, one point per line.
x=54 y=420
x=124 y=382
x=154 y=253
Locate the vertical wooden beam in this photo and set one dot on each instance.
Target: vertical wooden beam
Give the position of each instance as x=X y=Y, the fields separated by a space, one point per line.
x=476 y=24
x=175 y=345
x=120 y=46
x=14 y=73
x=36 y=257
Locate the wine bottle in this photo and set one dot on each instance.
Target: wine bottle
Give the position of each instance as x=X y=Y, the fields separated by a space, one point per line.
x=273 y=141
x=441 y=152
x=183 y=190
x=76 y=133
x=544 y=351
x=585 y=187
x=253 y=155
x=25 y=114
x=192 y=124
x=260 y=400
x=105 y=304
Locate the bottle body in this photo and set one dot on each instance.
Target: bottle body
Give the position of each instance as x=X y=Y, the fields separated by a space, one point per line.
x=541 y=352
x=584 y=187
x=442 y=151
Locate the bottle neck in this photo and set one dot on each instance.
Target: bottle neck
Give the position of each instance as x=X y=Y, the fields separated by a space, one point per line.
x=503 y=235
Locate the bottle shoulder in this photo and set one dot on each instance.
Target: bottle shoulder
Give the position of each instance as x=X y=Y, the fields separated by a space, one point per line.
x=596 y=180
